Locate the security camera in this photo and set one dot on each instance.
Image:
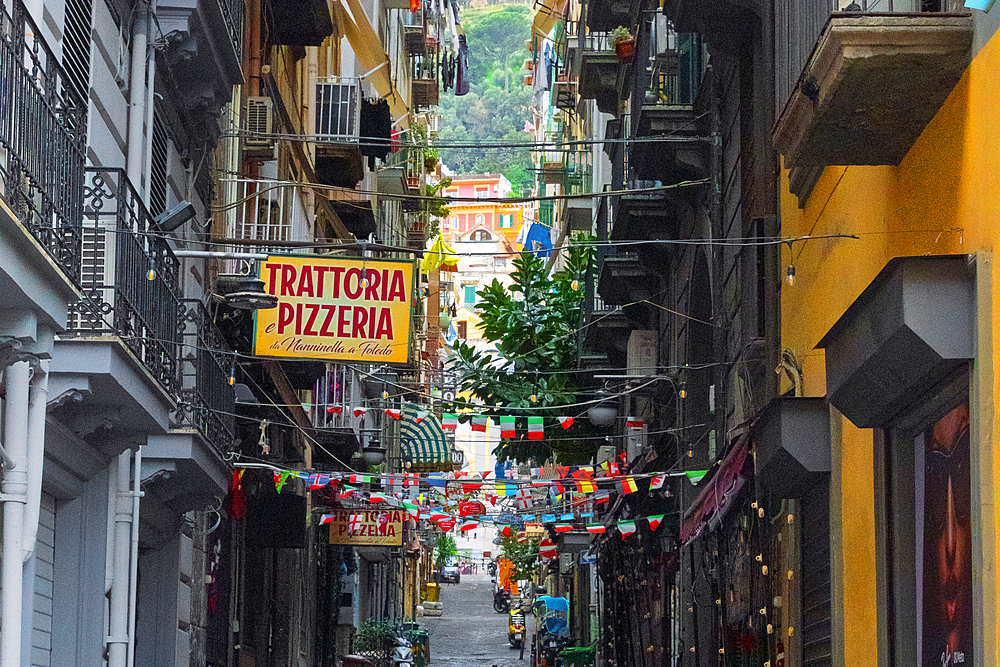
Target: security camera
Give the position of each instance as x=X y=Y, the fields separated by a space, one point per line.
x=175 y=216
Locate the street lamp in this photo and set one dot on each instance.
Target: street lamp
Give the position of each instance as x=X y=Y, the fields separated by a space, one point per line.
x=605 y=412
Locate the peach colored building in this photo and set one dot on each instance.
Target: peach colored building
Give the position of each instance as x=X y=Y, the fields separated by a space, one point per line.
x=501 y=218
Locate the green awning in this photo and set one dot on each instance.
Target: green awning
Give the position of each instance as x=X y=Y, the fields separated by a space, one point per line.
x=424 y=443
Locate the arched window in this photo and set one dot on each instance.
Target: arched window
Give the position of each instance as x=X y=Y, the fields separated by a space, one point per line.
x=480 y=235
x=480 y=219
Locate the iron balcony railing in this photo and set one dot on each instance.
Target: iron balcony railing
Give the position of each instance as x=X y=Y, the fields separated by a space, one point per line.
x=207 y=399
x=676 y=65
x=43 y=125
x=129 y=277
x=262 y=210
x=232 y=13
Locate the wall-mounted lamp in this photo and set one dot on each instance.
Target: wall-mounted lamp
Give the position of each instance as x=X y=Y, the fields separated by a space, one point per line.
x=245 y=293
x=175 y=216
x=790 y=273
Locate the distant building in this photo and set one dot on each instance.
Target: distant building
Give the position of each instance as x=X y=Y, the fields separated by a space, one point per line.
x=502 y=218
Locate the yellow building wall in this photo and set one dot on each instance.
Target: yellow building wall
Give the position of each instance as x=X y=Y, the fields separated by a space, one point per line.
x=943 y=198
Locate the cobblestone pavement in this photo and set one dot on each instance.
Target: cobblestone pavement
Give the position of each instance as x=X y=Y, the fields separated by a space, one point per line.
x=470 y=633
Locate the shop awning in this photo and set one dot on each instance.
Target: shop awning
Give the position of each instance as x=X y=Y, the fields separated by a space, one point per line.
x=424 y=443
x=548 y=13
x=713 y=501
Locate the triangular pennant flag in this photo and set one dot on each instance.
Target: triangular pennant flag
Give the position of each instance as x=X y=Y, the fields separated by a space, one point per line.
x=325 y=519
x=506 y=531
x=695 y=475
x=595 y=528
x=449 y=421
x=411 y=509
x=377 y=498
x=479 y=423
x=656 y=482
x=565 y=421
x=536 y=428
x=359 y=411
x=654 y=521
x=563 y=527
x=468 y=524
x=334 y=410
x=280 y=478
x=422 y=415
x=318 y=481
x=627 y=485
x=626 y=528
x=507 y=427
x=585 y=486
x=602 y=497
x=395 y=413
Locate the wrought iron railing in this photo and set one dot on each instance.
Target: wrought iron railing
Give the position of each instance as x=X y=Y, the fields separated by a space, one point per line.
x=335 y=395
x=262 y=210
x=676 y=65
x=43 y=125
x=207 y=400
x=232 y=13
x=129 y=277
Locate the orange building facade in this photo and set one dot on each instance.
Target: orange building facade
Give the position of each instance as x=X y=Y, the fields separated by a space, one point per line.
x=501 y=218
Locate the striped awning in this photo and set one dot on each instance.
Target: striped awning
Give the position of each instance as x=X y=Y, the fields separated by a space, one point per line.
x=424 y=443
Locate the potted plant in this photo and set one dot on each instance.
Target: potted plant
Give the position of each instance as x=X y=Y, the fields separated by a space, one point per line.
x=623 y=43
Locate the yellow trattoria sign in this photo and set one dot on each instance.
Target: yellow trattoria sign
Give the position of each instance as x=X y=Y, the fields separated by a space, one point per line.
x=367 y=527
x=336 y=309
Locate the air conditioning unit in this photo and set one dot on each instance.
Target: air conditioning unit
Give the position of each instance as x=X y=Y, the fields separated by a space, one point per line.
x=338 y=109
x=641 y=355
x=259 y=124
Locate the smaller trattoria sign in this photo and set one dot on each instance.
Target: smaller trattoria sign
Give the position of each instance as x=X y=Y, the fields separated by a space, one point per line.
x=373 y=527
x=340 y=309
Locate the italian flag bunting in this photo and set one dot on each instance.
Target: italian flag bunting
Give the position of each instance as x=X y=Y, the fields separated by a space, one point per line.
x=359 y=411
x=449 y=421
x=334 y=410
x=563 y=527
x=422 y=415
x=565 y=421
x=626 y=528
x=377 y=498
x=536 y=428
x=695 y=475
x=602 y=497
x=627 y=485
x=395 y=413
x=479 y=424
x=507 y=427
x=468 y=524
x=411 y=509
x=654 y=521
x=595 y=528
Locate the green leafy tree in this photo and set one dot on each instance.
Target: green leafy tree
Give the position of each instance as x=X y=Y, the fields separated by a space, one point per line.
x=522 y=556
x=444 y=547
x=499 y=39
x=534 y=324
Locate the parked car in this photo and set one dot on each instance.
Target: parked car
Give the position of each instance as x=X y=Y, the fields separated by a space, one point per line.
x=450 y=574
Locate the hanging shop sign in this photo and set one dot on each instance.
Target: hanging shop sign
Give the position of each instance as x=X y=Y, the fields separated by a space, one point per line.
x=371 y=527
x=338 y=309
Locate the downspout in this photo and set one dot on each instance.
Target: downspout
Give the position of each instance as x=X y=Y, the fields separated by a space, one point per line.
x=117 y=639
x=137 y=95
x=36 y=454
x=134 y=555
x=13 y=495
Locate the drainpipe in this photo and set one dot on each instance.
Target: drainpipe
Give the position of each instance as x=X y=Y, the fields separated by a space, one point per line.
x=117 y=639
x=134 y=555
x=36 y=454
x=137 y=94
x=13 y=495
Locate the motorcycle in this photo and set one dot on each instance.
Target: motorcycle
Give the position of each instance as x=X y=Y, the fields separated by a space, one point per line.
x=501 y=601
x=515 y=628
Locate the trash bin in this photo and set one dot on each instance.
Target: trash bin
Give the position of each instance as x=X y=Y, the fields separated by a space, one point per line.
x=432 y=593
x=421 y=641
x=577 y=656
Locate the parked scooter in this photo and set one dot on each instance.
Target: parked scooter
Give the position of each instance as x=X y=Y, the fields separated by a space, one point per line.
x=515 y=628
x=402 y=654
x=501 y=600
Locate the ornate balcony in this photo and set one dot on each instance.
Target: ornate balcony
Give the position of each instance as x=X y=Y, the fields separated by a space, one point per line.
x=43 y=127
x=599 y=74
x=207 y=400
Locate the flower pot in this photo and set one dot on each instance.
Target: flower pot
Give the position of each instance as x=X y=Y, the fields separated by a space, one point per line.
x=625 y=50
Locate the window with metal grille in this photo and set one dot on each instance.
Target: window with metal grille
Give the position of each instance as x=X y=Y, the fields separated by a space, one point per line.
x=158 y=171
x=338 y=109
x=76 y=45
